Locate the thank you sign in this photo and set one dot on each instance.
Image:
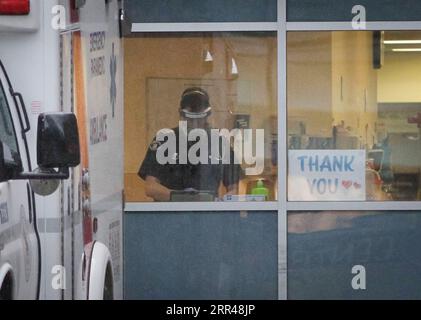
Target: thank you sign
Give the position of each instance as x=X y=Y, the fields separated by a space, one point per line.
x=326 y=175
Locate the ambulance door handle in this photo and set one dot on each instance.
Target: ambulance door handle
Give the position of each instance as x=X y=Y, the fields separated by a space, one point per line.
x=27 y=127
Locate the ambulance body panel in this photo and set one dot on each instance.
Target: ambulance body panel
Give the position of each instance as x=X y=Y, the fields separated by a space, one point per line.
x=75 y=69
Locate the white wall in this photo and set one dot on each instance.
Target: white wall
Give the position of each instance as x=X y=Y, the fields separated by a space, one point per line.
x=400 y=78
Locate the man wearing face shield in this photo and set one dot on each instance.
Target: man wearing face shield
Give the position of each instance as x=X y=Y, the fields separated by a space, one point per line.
x=163 y=180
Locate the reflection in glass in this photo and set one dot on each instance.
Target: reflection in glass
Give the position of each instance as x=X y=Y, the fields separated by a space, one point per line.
x=359 y=90
x=7 y=134
x=324 y=247
x=206 y=255
x=192 y=85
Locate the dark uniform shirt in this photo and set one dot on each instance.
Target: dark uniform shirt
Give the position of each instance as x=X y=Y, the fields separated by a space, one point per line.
x=201 y=177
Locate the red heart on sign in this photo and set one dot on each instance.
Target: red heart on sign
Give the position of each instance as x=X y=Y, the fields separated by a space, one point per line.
x=347 y=184
x=357 y=185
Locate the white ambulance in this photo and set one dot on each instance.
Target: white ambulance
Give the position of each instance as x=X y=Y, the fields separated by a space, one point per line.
x=61 y=149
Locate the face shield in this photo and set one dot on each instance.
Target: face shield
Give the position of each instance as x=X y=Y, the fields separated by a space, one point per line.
x=195 y=108
x=196 y=115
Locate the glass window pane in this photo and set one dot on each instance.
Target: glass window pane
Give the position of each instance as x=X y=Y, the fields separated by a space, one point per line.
x=7 y=133
x=201 y=117
x=148 y=11
x=201 y=255
x=354 y=116
x=325 y=247
x=341 y=10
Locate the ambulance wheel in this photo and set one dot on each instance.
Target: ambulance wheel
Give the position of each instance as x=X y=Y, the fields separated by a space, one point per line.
x=6 y=290
x=108 y=284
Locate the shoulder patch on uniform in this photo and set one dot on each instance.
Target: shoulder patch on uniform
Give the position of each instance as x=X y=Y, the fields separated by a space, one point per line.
x=154 y=145
x=166 y=131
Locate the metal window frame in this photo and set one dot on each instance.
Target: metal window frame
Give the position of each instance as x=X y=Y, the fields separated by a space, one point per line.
x=279 y=206
x=347 y=26
x=361 y=205
x=282 y=152
x=200 y=206
x=179 y=27
x=282 y=205
x=388 y=206
x=204 y=27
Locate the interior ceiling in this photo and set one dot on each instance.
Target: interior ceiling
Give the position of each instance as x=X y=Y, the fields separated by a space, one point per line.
x=402 y=35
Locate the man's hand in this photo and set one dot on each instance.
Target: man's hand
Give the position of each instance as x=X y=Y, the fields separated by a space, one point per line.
x=155 y=190
x=232 y=189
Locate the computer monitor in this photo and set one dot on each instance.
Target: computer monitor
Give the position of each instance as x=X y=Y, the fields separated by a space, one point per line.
x=192 y=196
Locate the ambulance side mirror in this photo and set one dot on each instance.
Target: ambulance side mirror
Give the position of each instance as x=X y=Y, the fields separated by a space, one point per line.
x=58 y=141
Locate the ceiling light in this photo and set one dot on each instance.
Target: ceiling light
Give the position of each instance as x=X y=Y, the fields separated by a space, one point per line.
x=234 y=68
x=402 y=42
x=407 y=50
x=208 y=56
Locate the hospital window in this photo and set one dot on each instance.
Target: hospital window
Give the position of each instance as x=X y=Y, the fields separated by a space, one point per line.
x=238 y=72
x=354 y=115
